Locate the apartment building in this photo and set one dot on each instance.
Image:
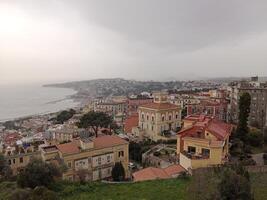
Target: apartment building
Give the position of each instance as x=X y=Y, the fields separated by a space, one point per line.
x=203 y=142
x=159 y=120
x=215 y=108
x=258 y=106
x=94 y=157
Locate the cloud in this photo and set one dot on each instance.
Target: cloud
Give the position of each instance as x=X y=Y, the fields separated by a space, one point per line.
x=143 y=39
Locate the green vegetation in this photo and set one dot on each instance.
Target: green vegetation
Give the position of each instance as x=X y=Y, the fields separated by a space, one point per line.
x=64 y=116
x=38 y=173
x=118 y=172
x=194 y=188
x=95 y=120
x=154 y=190
x=244 y=110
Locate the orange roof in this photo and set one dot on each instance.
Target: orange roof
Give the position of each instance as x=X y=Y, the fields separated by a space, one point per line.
x=159 y=106
x=68 y=148
x=218 y=128
x=152 y=173
x=131 y=122
x=108 y=141
x=174 y=170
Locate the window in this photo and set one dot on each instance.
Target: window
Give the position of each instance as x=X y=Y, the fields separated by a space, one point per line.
x=121 y=154
x=99 y=160
x=108 y=158
x=14 y=161
x=163 y=118
x=9 y=162
x=21 y=160
x=152 y=127
x=205 y=152
x=176 y=116
x=69 y=164
x=147 y=117
x=191 y=149
x=152 y=118
x=170 y=117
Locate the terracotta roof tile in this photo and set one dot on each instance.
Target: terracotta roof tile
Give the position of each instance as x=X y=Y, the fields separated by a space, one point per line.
x=131 y=122
x=152 y=173
x=160 y=106
x=108 y=141
x=68 y=148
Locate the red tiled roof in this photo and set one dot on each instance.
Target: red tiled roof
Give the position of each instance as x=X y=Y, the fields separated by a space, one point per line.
x=108 y=141
x=152 y=173
x=131 y=122
x=68 y=148
x=159 y=106
x=174 y=170
x=218 y=128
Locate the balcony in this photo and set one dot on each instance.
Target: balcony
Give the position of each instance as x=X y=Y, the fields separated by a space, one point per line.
x=194 y=156
x=193 y=161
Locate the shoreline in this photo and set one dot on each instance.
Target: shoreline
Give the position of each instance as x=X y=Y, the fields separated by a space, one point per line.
x=78 y=101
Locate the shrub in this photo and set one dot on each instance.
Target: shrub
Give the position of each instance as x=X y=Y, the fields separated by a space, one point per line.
x=118 y=172
x=37 y=173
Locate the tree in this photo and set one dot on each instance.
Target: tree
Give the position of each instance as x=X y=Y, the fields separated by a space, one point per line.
x=5 y=170
x=234 y=186
x=95 y=120
x=244 y=110
x=64 y=116
x=38 y=173
x=118 y=172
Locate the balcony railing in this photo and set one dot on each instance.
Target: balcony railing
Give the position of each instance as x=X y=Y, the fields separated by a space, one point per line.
x=195 y=156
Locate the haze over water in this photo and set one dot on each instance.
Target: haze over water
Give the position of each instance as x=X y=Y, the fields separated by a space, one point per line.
x=24 y=100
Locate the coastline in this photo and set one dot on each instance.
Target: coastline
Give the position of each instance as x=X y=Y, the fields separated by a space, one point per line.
x=77 y=103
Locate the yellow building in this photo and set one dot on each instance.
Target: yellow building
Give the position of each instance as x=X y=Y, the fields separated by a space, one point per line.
x=159 y=120
x=19 y=158
x=94 y=158
x=203 y=142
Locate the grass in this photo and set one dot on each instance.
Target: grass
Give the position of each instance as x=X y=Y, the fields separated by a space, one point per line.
x=259 y=185
x=178 y=189
x=159 y=189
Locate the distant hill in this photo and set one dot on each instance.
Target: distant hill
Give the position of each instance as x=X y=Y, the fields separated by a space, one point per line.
x=116 y=86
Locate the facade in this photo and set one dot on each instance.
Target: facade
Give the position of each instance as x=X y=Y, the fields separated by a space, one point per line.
x=19 y=158
x=203 y=142
x=134 y=103
x=258 y=106
x=215 y=108
x=159 y=120
x=94 y=158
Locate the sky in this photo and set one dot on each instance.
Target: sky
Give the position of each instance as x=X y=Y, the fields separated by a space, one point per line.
x=66 y=40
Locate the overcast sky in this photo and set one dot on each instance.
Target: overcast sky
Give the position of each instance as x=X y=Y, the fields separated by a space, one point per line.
x=61 y=40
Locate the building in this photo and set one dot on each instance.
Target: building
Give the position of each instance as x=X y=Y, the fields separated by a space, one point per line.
x=94 y=158
x=215 y=108
x=160 y=119
x=258 y=106
x=203 y=142
x=153 y=173
x=134 y=103
x=19 y=157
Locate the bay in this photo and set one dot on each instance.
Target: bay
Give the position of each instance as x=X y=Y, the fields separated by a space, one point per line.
x=24 y=100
